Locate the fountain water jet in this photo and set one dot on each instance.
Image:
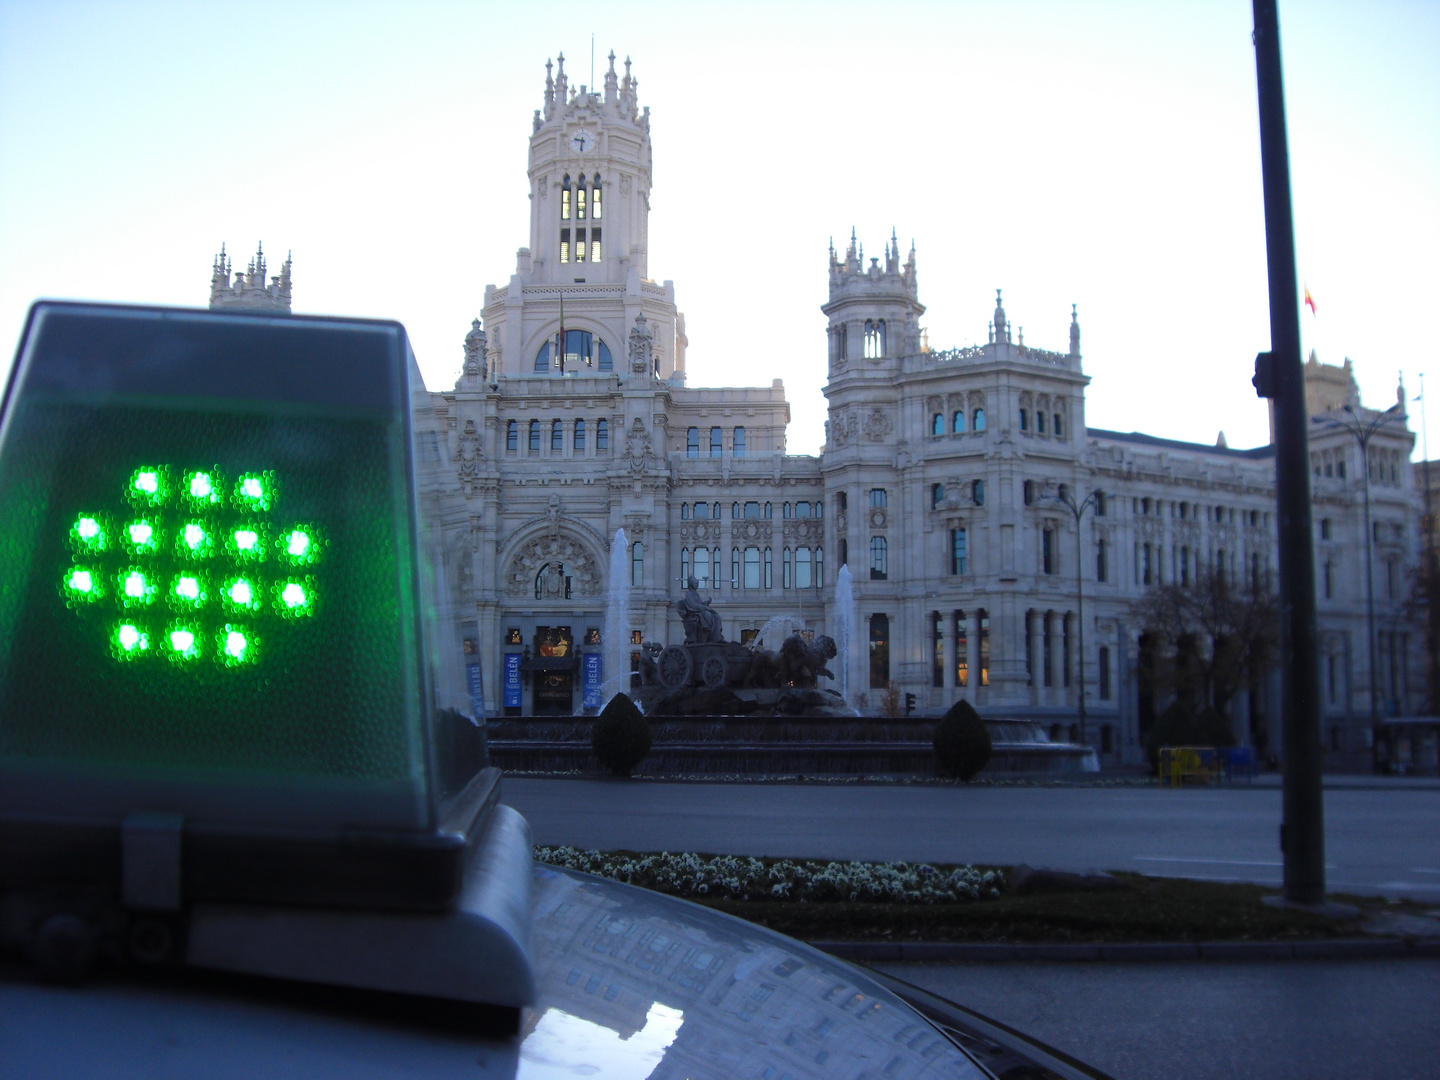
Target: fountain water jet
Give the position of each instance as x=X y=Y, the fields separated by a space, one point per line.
x=617 y=620
x=844 y=629
x=781 y=626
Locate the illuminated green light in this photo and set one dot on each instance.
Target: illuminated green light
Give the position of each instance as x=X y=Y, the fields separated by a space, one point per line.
x=298 y=545
x=294 y=598
x=135 y=588
x=184 y=643
x=248 y=542
x=148 y=486
x=301 y=546
x=235 y=645
x=89 y=533
x=194 y=541
x=142 y=535
x=188 y=590
x=246 y=539
x=130 y=641
x=201 y=488
x=254 y=490
x=83 y=584
x=240 y=593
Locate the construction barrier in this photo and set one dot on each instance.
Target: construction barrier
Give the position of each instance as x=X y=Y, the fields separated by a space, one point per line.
x=1205 y=764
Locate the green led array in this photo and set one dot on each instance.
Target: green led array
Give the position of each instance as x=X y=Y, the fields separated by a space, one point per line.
x=194 y=543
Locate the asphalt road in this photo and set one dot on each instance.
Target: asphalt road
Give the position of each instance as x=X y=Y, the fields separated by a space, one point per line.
x=1276 y=1019
x=1378 y=842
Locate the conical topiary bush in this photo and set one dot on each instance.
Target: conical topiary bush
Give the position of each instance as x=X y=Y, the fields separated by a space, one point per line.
x=620 y=736
x=962 y=745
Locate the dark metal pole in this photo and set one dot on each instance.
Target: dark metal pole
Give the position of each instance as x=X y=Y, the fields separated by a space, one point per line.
x=1302 y=830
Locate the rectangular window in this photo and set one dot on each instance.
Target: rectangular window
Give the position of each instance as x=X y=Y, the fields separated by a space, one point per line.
x=734 y=568
x=534 y=436
x=737 y=442
x=879 y=559
x=637 y=564
x=877 y=497
x=557 y=437
x=937 y=653
x=564 y=245
x=579 y=434
x=1102 y=561
x=803 y=579
x=684 y=565
x=959 y=552
x=594 y=245
x=1065 y=650
x=717 y=442
x=1104 y=672
x=962 y=649
x=787 y=570
x=602 y=434
x=752 y=511
x=984 y=648
x=879 y=652
x=752 y=568
x=1047 y=551
x=595 y=206
x=579 y=245
x=1145 y=569
x=769 y=570
x=819 y=568
x=1047 y=647
x=692 y=442
x=512 y=436
x=580 y=202
x=565 y=203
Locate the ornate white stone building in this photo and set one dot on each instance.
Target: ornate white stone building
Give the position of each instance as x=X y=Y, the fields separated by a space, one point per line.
x=937 y=485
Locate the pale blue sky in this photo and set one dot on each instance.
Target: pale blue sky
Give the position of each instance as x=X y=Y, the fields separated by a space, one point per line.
x=1104 y=154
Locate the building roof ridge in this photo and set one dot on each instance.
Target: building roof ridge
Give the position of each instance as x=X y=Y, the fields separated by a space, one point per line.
x=1254 y=453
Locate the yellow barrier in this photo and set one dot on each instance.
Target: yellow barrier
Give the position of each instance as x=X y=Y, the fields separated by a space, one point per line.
x=1198 y=764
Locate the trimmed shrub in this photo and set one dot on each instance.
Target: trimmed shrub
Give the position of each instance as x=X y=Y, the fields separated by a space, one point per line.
x=620 y=736
x=962 y=745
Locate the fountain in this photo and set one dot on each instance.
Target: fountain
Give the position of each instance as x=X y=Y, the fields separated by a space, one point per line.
x=617 y=620
x=776 y=629
x=844 y=629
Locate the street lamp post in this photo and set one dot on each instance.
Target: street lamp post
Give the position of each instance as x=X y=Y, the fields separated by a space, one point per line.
x=1077 y=509
x=1363 y=432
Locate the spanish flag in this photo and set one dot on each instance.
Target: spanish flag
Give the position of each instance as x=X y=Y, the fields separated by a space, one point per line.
x=1308 y=301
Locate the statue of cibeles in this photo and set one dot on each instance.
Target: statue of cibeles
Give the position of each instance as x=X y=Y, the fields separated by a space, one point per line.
x=701 y=621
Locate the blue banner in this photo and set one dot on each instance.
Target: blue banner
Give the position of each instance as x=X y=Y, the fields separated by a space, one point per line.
x=512 y=680
x=592 y=670
x=477 y=690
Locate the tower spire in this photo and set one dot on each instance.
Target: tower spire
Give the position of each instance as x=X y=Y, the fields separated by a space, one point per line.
x=1074 y=332
x=1002 y=334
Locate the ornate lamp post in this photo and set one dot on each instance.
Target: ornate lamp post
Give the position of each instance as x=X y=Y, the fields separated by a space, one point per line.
x=1077 y=509
x=1363 y=432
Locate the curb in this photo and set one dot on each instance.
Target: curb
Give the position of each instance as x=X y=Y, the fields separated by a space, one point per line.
x=873 y=952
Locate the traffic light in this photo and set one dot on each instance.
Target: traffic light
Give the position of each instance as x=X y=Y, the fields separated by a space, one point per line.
x=909 y=704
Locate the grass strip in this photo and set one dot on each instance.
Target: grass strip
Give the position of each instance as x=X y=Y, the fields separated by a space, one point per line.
x=1145 y=909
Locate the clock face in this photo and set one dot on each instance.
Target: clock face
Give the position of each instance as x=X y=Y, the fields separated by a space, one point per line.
x=582 y=141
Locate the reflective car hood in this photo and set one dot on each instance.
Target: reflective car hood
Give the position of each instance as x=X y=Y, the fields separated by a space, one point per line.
x=631 y=984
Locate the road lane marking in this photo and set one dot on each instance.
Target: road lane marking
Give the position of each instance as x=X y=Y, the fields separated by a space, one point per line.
x=1422 y=870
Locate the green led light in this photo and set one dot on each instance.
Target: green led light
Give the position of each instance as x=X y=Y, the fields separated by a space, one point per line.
x=255 y=491
x=149 y=486
x=88 y=534
x=135 y=588
x=241 y=594
x=235 y=645
x=247 y=543
x=194 y=541
x=141 y=536
x=300 y=546
x=187 y=591
x=183 y=642
x=129 y=641
x=201 y=488
x=294 y=599
x=83 y=583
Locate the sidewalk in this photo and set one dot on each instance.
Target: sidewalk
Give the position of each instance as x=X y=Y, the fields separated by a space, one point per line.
x=1356 y=782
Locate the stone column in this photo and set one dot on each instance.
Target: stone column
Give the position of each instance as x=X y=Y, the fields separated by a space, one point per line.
x=947 y=636
x=1055 y=692
x=1035 y=620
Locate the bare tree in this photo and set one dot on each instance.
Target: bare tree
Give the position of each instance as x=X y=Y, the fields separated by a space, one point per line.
x=1213 y=637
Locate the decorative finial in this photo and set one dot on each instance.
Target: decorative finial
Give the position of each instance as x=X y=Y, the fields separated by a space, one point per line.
x=612 y=59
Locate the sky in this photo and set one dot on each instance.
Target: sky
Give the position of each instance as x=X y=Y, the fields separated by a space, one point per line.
x=1100 y=154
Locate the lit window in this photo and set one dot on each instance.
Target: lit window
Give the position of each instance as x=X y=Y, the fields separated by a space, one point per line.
x=564 y=245
x=579 y=245
x=595 y=200
x=565 y=195
x=594 y=245
x=580 y=201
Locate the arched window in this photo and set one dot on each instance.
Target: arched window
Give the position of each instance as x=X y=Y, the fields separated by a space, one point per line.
x=595 y=199
x=769 y=569
x=542 y=359
x=557 y=437
x=534 y=436
x=937 y=494
x=717 y=442
x=1024 y=420
x=602 y=434
x=803 y=567
x=512 y=435
x=871 y=341
x=580 y=200
x=734 y=568
x=637 y=564
x=752 y=568
x=565 y=197
x=552 y=582
x=957 y=422
x=937 y=424
x=692 y=442
x=579 y=433
x=582 y=349
x=734 y=511
x=769 y=511
x=685 y=566
x=1059 y=427
x=787 y=569
x=879 y=559
x=787 y=511
x=879 y=652
x=737 y=442
x=977 y=492
x=1039 y=423
x=819 y=568
x=684 y=511
x=978 y=423
x=605 y=362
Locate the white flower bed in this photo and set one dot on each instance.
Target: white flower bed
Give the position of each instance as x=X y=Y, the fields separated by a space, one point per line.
x=742 y=878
